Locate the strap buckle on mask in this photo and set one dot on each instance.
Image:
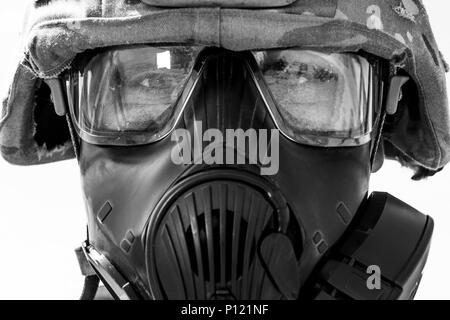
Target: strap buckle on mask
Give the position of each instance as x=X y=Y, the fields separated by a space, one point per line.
x=391 y=107
x=58 y=97
x=393 y=97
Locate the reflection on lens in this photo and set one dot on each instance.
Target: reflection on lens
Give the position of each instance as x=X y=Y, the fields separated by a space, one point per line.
x=129 y=90
x=319 y=93
x=129 y=96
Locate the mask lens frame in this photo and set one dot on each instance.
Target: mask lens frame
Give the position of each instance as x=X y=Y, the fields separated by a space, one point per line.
x=74 y=85
x=369 y=109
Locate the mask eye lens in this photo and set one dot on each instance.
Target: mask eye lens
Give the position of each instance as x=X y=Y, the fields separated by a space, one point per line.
x=319 y=95
x=134 y=95
x=132 y=90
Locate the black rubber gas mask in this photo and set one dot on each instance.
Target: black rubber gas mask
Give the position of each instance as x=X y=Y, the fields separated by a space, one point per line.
x=211 y=174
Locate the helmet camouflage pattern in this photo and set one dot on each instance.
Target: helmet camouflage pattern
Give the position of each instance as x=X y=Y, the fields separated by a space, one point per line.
x=394 y=30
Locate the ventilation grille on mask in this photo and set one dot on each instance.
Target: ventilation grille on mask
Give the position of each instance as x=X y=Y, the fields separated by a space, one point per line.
x=207 y=245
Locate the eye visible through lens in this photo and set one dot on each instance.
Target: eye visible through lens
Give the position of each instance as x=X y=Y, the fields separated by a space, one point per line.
x=135 y=89
x=319 y=93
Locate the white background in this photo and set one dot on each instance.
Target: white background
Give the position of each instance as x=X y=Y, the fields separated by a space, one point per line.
x=42 y=215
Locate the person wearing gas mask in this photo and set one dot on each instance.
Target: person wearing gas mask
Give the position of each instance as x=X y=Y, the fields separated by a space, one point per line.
x=226 y=147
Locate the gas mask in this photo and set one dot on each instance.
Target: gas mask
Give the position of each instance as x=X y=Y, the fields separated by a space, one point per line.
x=218 y=175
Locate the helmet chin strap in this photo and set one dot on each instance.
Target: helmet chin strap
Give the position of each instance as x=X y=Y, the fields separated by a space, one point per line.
x=90 y=287
x=73 y=137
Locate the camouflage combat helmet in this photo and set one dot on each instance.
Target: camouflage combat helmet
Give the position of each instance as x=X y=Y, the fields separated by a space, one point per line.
x=418 y=135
